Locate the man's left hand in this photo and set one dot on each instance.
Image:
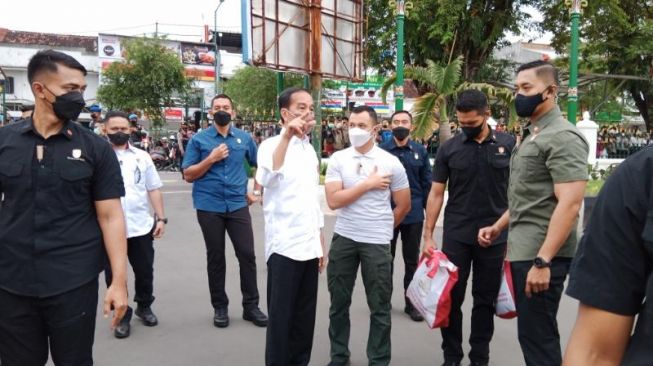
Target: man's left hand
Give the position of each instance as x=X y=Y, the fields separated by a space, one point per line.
x=251 y=199
x=537 y=280
x=159 y=230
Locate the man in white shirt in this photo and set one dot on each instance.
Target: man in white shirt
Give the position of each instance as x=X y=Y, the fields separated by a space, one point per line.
x=360 y=182
x=141 y=182
x=288 y=170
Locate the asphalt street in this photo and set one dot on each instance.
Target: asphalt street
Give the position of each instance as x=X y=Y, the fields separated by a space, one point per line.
x=186 y=335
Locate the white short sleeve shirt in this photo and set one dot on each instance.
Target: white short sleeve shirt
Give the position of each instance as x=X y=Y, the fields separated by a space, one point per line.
x=139 y=176
x=370 y=218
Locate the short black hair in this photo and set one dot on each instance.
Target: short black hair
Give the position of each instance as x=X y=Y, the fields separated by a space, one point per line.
x=113 y=114
x=472 y=100
x=223 y=96
x=47 y=60
x=400 y=112
x=366 y=108
x=286 y=96
x=543 y=69
x=27 y=108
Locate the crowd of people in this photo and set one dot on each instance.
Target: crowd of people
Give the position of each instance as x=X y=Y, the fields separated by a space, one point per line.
x=75 y=205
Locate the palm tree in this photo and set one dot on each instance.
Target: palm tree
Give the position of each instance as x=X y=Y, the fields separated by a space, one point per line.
x=442 y=84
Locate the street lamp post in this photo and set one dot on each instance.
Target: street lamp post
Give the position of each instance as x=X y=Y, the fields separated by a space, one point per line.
x=401 y=8
x=572 y=96
x=217 y=50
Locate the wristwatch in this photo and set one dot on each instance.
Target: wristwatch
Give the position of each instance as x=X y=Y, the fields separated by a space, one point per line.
x=257 y=193
x=540 y=262
x=164 y=220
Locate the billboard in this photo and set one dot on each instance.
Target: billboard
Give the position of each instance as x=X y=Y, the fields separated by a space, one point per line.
x=277 y=34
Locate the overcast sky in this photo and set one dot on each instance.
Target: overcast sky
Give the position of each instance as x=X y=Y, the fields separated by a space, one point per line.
x=128 y=17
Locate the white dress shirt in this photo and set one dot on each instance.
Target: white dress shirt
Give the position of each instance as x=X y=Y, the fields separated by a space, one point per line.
x=369 y=219
x=291 y=206
x=139 y=176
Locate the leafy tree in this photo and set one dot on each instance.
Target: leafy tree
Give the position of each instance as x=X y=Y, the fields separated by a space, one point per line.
x=441 y=84
x=255 y=89
x=441 y=30
x=617 y=38
x=147 y=80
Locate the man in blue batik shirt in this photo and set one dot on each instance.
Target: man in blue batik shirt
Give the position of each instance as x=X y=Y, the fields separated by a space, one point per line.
x=215 y=164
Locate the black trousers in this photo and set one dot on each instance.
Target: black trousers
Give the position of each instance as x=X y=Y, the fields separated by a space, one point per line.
x=410 y=237
x=238 y=224
x=537 y=324
x=486 y=264
x=292 y=300
x=63 y=323
x=140 y=251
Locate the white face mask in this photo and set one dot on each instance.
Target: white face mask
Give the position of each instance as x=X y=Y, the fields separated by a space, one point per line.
x=359 y=137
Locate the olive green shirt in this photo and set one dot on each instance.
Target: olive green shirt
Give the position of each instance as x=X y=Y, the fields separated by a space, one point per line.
x=552 y=151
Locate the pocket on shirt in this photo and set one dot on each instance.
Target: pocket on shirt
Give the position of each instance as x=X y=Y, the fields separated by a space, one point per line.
x=533 y=167
x=9 y=172
x=75 y=181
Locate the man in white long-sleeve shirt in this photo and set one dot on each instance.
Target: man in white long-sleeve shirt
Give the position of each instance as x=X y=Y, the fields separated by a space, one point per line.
x=294 y=246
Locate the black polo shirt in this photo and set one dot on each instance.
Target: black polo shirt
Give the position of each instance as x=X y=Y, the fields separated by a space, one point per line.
x=415 y=159
x=50 y=240
x=613 y=266
x=477 y=176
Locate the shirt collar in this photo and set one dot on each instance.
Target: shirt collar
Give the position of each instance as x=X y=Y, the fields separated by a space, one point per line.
x=217 y=133
x=545 y=120
x=370 y=154
x=295 y=139
x=66 y=130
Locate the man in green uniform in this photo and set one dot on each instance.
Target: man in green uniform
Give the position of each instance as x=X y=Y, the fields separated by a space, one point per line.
x=547 y=184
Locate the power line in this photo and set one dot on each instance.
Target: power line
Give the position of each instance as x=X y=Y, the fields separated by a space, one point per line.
x=116 y=29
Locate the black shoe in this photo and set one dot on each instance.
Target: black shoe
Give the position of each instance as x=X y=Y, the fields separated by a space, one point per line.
x=256 y=316
x=124 y=328
x=333 y=363
x=147 y=316
x=221 y=318
x=451 y=363
x=413 y=313
x=478 y=363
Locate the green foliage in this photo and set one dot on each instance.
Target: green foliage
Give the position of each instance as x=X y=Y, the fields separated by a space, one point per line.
x=255 y=89
x=440 y=85
x=147 y=80
x=441 y=30
x=617 y=38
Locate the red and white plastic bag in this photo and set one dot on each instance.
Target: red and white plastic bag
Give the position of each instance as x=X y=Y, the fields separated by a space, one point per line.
x=505 y=306
x=430 y=289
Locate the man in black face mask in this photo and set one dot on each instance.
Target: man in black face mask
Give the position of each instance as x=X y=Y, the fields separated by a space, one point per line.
x=142 y=187
x=414 y=158
x=215 y=164
x=61 y=218
x=475 y=164
x=547 y=186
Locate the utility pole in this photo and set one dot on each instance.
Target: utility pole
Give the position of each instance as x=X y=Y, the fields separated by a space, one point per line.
x=401 y=10
x=316 y=74
x=280 y=87
x=218 y=89
x=572 y=96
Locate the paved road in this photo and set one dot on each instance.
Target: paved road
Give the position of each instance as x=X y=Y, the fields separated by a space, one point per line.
x=186 y=335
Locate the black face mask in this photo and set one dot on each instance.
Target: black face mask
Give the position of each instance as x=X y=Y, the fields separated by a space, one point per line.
x=525 y=105
x=473 y=132
x=222 y=118
x=118 y=138
x=68 y=106
x=400 y=133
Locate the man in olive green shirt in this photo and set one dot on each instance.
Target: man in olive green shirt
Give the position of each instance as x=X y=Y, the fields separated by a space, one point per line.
x=548 y=175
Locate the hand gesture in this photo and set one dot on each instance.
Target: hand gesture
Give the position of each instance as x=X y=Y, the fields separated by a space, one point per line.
x=116 y=299
x=251 y=199
x=377 y=180
x=298 y=126
x=537 y=280
x=159 y=230
x=487 y=235
x=219 y=153
x=429 y=244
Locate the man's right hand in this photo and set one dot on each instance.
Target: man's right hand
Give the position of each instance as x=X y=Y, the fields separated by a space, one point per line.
x=429 y=243
x=377 y=180
x=487 y=235
x=219 y=153
x=297 y=126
